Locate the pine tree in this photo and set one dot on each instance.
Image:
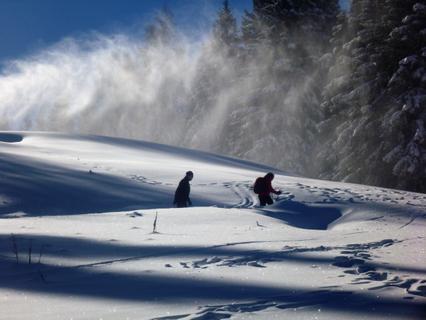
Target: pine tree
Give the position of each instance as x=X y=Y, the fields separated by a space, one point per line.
x=282 y=62
x=362 y=108
x=348 y=104
x=336 y=71
x=218 y=65
x=253 y=32
x=225 y=30
x=405 y=120
x=162 y=29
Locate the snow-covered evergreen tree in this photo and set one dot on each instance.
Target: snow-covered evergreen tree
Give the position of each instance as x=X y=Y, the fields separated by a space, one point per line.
x=162 y=30
x=290 y=38
x=214 y=85
x=404 y=123
x=369 y=144
x=225 y=33
x=349 y=96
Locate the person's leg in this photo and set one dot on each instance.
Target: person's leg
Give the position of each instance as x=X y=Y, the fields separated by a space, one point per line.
x=269 y=200
x=262 y=200
x=181 y=205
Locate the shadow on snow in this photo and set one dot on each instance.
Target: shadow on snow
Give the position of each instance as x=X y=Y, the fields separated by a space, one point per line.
x=109 y=252
x=92 y=280
x=303 y=216
x=38 y=188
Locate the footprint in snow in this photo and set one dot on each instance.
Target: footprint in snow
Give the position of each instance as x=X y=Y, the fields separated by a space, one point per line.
x=205 y=262
x=420 y=291
x=411 y=285
x=347 y=262
x=135 y=214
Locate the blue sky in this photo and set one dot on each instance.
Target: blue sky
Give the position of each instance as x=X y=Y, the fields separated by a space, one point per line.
x=29 y=25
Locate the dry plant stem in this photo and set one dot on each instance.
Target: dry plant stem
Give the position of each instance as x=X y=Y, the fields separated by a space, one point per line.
x=154 y=229
x=15 y=247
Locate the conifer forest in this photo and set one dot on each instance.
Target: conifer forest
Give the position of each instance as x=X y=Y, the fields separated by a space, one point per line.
x=335 y=95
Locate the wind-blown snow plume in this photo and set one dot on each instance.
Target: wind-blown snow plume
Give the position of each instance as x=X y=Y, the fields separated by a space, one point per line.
x=107 y=85
x=182 y=93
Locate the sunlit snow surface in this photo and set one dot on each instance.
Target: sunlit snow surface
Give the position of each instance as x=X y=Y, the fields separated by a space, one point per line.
x=82 y=208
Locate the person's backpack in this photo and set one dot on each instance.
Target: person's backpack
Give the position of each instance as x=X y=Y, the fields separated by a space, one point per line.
x=259 y=185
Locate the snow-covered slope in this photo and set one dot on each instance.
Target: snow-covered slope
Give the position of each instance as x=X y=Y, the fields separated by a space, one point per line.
x=78 y=241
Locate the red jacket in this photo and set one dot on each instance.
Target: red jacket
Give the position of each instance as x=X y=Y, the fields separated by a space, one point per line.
x=267 y=186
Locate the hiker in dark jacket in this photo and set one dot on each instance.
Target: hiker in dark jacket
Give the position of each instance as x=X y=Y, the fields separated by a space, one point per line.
x=182 y=192
x=263 y=187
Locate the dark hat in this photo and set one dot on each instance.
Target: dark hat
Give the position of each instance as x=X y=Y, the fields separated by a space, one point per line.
x=189 y=173
x=269 y=175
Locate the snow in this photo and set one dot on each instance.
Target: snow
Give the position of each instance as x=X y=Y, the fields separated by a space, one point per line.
x=410 y=60
x=83 y=207
x=419 y=8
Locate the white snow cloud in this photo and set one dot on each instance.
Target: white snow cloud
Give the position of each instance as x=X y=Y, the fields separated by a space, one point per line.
x=112 y=85
x=181 y=94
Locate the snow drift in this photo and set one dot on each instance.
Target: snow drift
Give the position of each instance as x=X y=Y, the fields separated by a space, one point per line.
x=78 y=238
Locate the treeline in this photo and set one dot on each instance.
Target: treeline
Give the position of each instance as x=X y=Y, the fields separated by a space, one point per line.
x=314 y=90
x=374 y=104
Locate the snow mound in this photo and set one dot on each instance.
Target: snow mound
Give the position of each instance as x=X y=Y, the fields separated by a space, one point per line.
x=89 y=231
x=55 y=174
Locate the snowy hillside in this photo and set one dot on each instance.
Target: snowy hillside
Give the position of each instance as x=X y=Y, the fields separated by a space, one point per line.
x=77 y=220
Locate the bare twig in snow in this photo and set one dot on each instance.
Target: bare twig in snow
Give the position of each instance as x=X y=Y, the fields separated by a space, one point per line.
x=154 y=229
x=14 y=247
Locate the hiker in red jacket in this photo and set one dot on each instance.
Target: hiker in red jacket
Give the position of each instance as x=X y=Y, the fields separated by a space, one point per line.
x=263 y=187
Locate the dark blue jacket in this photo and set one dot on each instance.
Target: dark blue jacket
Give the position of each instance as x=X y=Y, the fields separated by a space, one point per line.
x=182 y=192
